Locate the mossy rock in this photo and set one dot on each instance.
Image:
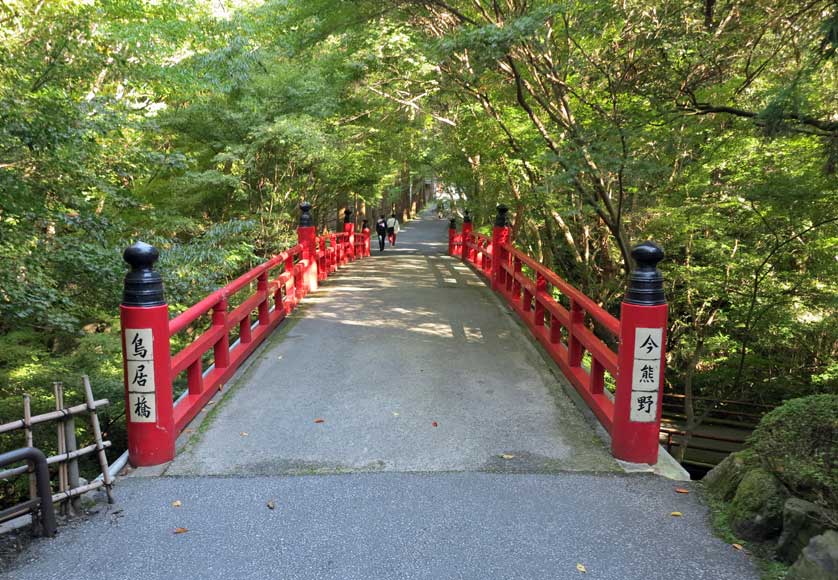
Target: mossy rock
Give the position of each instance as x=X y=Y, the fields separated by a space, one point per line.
x=819 y=560
x=796 y=442
x=756 y=512
x=722 y=480
x=802 y=521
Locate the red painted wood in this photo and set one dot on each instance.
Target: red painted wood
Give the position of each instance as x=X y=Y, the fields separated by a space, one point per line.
x=150 y=443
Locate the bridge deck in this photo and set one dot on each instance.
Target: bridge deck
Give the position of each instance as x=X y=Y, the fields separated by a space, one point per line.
x=417 y=372
x=390 y=347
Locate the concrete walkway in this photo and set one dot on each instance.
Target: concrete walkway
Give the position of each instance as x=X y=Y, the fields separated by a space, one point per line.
x=413 y=365
x=447 y=449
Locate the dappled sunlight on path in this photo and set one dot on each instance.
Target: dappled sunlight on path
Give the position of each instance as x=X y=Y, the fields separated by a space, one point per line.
x=414 y=366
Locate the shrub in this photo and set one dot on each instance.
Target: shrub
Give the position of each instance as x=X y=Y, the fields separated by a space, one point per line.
x=797 y=442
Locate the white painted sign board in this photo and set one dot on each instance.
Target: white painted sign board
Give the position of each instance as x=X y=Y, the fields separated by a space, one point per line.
x=139 y=355
x=645 y=375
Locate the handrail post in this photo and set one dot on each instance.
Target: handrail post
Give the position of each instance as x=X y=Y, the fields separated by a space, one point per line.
x=500 y=256
x=323 y=261
x=144 y=317
x=452 y=236
x=641 y=360
x=264 y=308
x=467 y=229
x=290 y=285
x=349 y=230
x=221 y=349
x=307 y=236
x=334 y=252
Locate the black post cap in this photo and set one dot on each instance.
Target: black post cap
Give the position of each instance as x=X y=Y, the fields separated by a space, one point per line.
x=466 y=217
x=346 y=213
x=452 y=224
x=143 y=286
x=646 y=281
x=305 y=217
x=501 y=219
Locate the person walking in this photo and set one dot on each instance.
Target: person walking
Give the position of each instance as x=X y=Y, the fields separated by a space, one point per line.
x=381 y=230
x=392 y=229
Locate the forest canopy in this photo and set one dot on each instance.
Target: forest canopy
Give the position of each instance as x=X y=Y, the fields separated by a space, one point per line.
x=708 y=126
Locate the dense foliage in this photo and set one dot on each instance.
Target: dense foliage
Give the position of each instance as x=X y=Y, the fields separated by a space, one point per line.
x=710 y=127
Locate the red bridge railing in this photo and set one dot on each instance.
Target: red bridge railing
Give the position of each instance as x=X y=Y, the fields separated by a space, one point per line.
x=577 y=332
x=264 y=296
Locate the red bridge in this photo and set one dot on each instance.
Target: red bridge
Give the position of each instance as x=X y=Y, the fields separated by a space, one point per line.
x=476 y=416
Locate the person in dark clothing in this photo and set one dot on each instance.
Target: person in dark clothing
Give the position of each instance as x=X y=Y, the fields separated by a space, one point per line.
x=381 y=231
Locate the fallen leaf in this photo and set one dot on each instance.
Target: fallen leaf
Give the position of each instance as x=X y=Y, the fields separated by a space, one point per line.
x=211 y=403
x=676 y=514
x=181 y=530
x=320 y=420
x=581 y=568
x=271 y=505
x=737 y=546
x=434 y=424
x=176 y=503
x=681 y=490
x=189 y=430
x=507 y=456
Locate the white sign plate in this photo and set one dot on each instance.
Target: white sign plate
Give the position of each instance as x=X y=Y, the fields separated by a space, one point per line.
x=140 y=376
x=644 y=406
x=143 y=407
x=645 y=376
x=647 y=343
x=139 y=344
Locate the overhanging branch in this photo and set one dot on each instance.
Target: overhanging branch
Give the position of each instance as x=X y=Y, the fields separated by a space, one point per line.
x=707 y=109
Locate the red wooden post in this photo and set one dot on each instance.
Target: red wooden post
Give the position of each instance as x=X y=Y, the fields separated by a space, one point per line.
x=452 y=236
x=574 y=345
x=349 y=230
x=334 y=248
x=264 y=308
x=290 y=285
x=500 y=256
x=146 y=365
x=221 y=349
x=641 y=358
x=300 y=273
x=467 y=228
x=307 y=236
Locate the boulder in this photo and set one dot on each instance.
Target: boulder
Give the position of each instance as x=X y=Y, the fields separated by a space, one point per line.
x=722 y=480
x=802 y=521
x=757 y=508
x=819 y=559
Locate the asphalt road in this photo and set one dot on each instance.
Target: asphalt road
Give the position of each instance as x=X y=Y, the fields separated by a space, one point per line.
x=389 y=526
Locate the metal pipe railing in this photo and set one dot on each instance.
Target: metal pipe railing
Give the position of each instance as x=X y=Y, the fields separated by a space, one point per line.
x=39 y=464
